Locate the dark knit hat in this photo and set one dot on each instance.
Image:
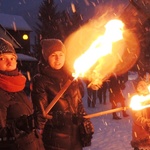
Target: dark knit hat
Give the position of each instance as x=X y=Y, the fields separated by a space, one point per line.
x=51 y=45
x=6 y=47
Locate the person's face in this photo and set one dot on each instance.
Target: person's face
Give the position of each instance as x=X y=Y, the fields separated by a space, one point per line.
x=8 y=62
x=56 y=60
x=142 y=88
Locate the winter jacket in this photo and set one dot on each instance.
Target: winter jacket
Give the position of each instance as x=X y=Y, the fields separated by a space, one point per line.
x=116 y=85
x=15 y=107
x=62 y=131
x=141 y=128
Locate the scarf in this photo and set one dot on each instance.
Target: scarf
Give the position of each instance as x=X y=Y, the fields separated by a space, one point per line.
x=12 y=83
x=60 y=75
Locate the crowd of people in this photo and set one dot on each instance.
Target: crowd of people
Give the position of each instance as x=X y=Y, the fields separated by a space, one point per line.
x=48 y=120
x=114 y=85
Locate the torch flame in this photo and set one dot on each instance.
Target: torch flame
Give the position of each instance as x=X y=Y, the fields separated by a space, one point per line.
x=102 y=46
x=139 y=102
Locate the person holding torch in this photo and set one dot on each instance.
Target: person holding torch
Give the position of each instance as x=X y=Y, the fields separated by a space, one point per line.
x=63 y=127
x=141 y=117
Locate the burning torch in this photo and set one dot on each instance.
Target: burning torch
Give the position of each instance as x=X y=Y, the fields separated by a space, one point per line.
x=142 y=100
x=138 y=102
x=101 y=47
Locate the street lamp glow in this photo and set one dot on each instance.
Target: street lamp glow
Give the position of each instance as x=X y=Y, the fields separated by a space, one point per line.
x=25 y=37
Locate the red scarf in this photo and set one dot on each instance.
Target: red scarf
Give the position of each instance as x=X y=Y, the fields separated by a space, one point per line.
x=12 y=83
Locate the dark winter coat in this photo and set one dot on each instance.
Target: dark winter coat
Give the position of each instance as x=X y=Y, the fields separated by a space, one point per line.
x=14 y=134
x=141 y=128
x=62 y=131
x=116 y=85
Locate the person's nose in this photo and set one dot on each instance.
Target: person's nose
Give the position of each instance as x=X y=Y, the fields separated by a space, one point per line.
x=57 y=57
x=8 y=61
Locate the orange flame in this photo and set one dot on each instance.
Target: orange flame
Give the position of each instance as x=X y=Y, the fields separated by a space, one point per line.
x=101 y=47
x=139 y=102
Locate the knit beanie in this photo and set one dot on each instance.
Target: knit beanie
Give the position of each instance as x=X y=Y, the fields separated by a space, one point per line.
x=50 y=46
x=6 y=47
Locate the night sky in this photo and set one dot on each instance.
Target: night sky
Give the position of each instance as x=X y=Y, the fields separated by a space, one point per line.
x=29 y=8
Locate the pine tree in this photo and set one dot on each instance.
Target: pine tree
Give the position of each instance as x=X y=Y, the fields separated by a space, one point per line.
x=55 y=24
x=49 y=20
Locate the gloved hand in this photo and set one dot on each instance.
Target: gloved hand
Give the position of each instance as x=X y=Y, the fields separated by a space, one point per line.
x=86 y=131
x=95 y=86
x=25 y=123
x=77 y=119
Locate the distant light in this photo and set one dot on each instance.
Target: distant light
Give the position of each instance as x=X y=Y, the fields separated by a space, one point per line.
x=25 y=37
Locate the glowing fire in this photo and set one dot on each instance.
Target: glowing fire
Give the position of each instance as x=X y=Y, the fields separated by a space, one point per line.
x=139 y=102
x=102 y=46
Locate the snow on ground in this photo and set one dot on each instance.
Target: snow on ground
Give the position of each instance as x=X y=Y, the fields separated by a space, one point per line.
x=111 y=134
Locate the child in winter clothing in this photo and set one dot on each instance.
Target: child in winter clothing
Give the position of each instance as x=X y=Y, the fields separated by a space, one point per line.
x=17 y=126
x=63 y=130
x=141 y=121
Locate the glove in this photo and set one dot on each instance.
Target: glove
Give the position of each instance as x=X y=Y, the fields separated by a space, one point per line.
x=25 y=123
x=86 y=131
x=95 y=86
